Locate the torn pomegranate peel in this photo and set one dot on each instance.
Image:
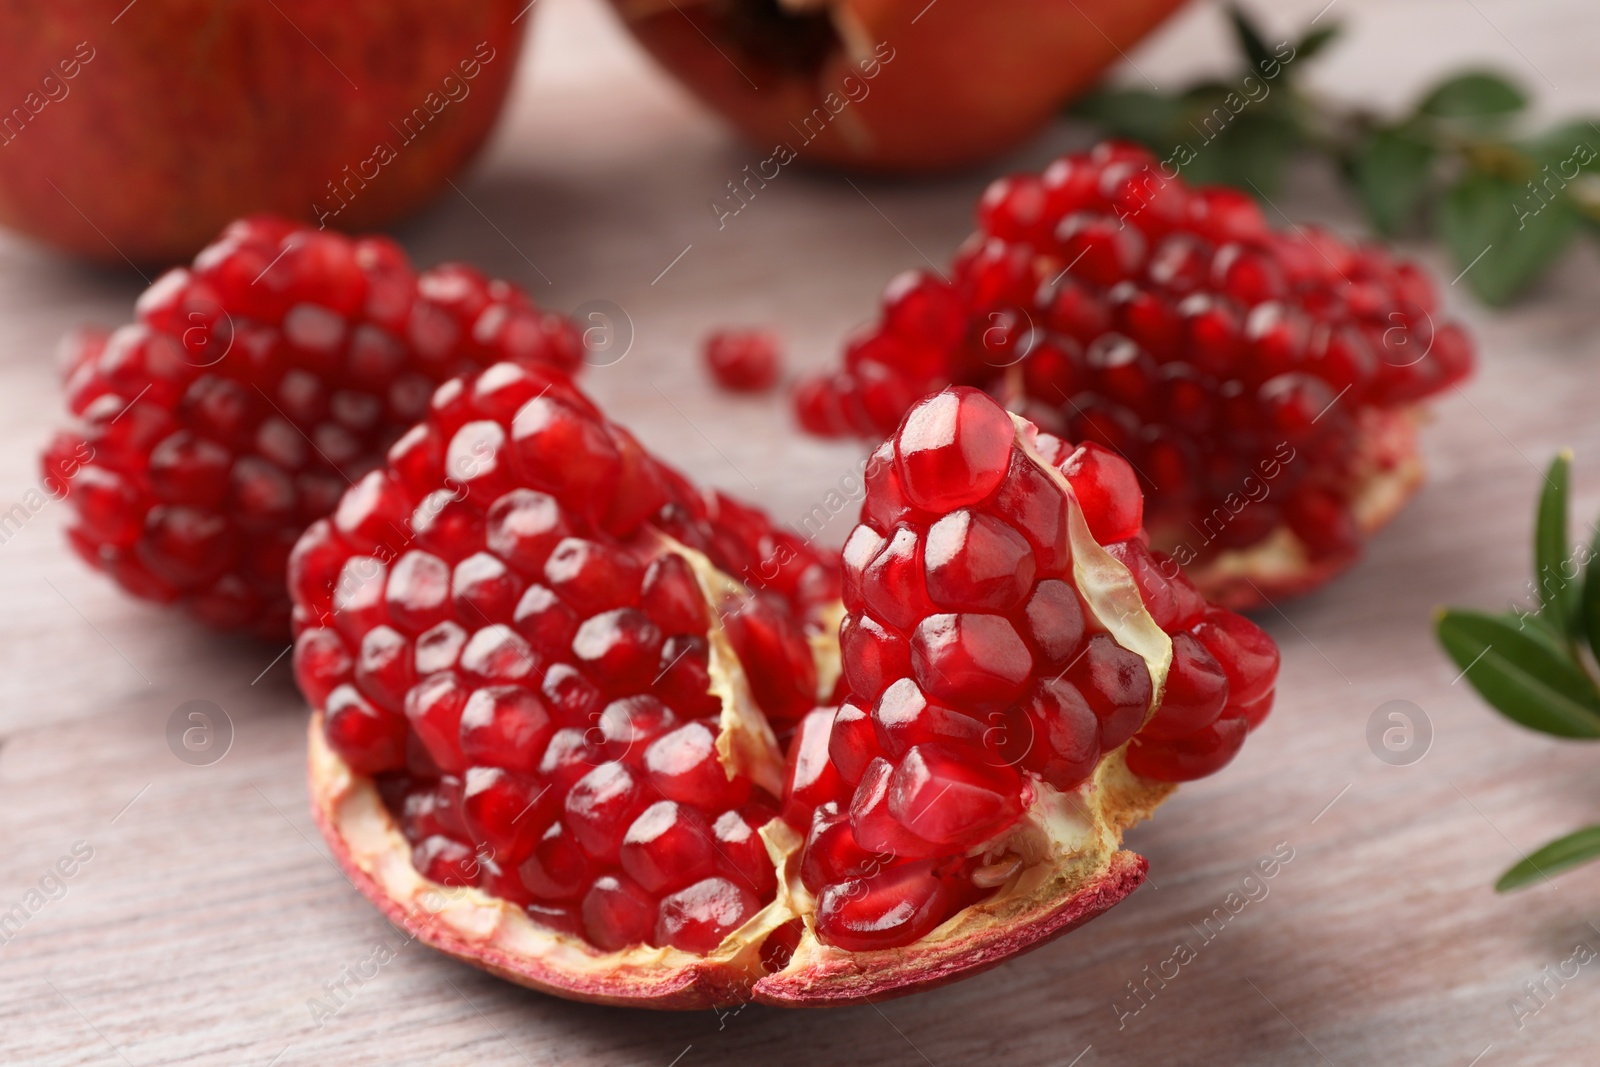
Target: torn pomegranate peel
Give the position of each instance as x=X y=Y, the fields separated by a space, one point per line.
x=539 y=744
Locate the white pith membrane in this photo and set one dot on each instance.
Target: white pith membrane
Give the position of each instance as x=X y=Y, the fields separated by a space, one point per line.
x=1388 y=470
x=1059 y=864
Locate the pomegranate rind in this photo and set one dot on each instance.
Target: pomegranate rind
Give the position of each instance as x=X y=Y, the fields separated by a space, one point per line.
x=497 y=935
x=1389 y=470
x=1082 y=873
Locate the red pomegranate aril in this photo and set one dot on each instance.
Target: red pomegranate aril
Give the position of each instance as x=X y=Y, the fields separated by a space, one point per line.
x=1055 y=622
x=1195 y=694
x=1247 y=655
x=885 y=909
x=667 y=847
x=976 y=561
x=617 y=912
x=434 y=709
x=506 y=812
x=505 y=726
x=671 y=596
x=446 y=861
x=970 y=659
x=622 y=647
x=895 y=585
x=874 y=826
x=557 y=869
x=698 y=918
x=367 y=737
x=1108 y=490
x=321 y=662
x=943 y=796
x=851 y=744
x=1116 y=684
x=953 y=450
x=742 y=855
x=1192 y=757
x=682 y=765
x=1057 y=735
x=904 y=717
x=745 y=361
x=384 y=670
x=601 y=806
x=810 y=778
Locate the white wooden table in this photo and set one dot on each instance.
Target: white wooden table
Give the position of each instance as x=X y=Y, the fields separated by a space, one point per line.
x=209 y=914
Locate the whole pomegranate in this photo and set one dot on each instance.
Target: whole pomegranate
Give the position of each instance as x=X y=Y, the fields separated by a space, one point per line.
x=888 y=85
x=136 y=131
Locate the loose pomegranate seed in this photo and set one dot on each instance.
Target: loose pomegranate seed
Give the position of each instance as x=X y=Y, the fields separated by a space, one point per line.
x=1171 y=326
x=744 y=361
x=253 y=387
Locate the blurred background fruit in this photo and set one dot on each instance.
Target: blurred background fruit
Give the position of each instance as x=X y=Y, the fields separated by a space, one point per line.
x=138 y=130
x=889 y=85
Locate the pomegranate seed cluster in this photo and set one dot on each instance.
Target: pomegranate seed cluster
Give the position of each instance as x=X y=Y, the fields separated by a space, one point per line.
x=253 y=389
x=973 y=668
x=501 y=628
x=1171 y=324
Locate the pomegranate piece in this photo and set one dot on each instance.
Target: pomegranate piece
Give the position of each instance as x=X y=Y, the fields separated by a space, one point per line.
x=1260 y=386
x=585 y=740
x=252 y=388
x=538 y=685
x=743 y=361
x=1028 y=664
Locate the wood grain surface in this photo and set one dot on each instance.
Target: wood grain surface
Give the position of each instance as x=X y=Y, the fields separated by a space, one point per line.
x=207 y=914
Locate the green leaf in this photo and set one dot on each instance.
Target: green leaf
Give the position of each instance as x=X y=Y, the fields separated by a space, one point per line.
x=1391 y=173
x=1316 y=40
x=1501 y=237
x=1520 y=676
x=1250 y=42
x=1562 y=854
x=1137 y=114
x=1589 y=604
x=1473 y=95
x=1251 y=151
x=1557 y=590
x=1569 y=149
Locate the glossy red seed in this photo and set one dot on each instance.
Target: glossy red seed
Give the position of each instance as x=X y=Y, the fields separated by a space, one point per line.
x=970 y=660
x=742 y=855
x=953 y=449
x=1190 y=757
x=1116 y=683
x=851 y=742
x=1195 y=693
x=667 y=847
x=810 y=778
x=557 y=869
x=505 y=726
x=370 y=739
x=743 y=360
x=904 y=717
x=506 y=812
x=976 y=561
x=617 y=913
x=885 y=909
x=698 y=918
x=434 y=710
x=1108 y=491
x=1247 y=655
x=942 y=795
x=874 y=826
x=1055 y=622
x=683 y=765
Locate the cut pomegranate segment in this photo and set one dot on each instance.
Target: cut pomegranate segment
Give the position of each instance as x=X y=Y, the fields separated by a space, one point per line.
x=537 y=805
x=254 y=387
x=1263 y=385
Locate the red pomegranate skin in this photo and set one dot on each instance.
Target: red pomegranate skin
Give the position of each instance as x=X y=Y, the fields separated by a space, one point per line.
x=137 y=131
x=925 y=87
